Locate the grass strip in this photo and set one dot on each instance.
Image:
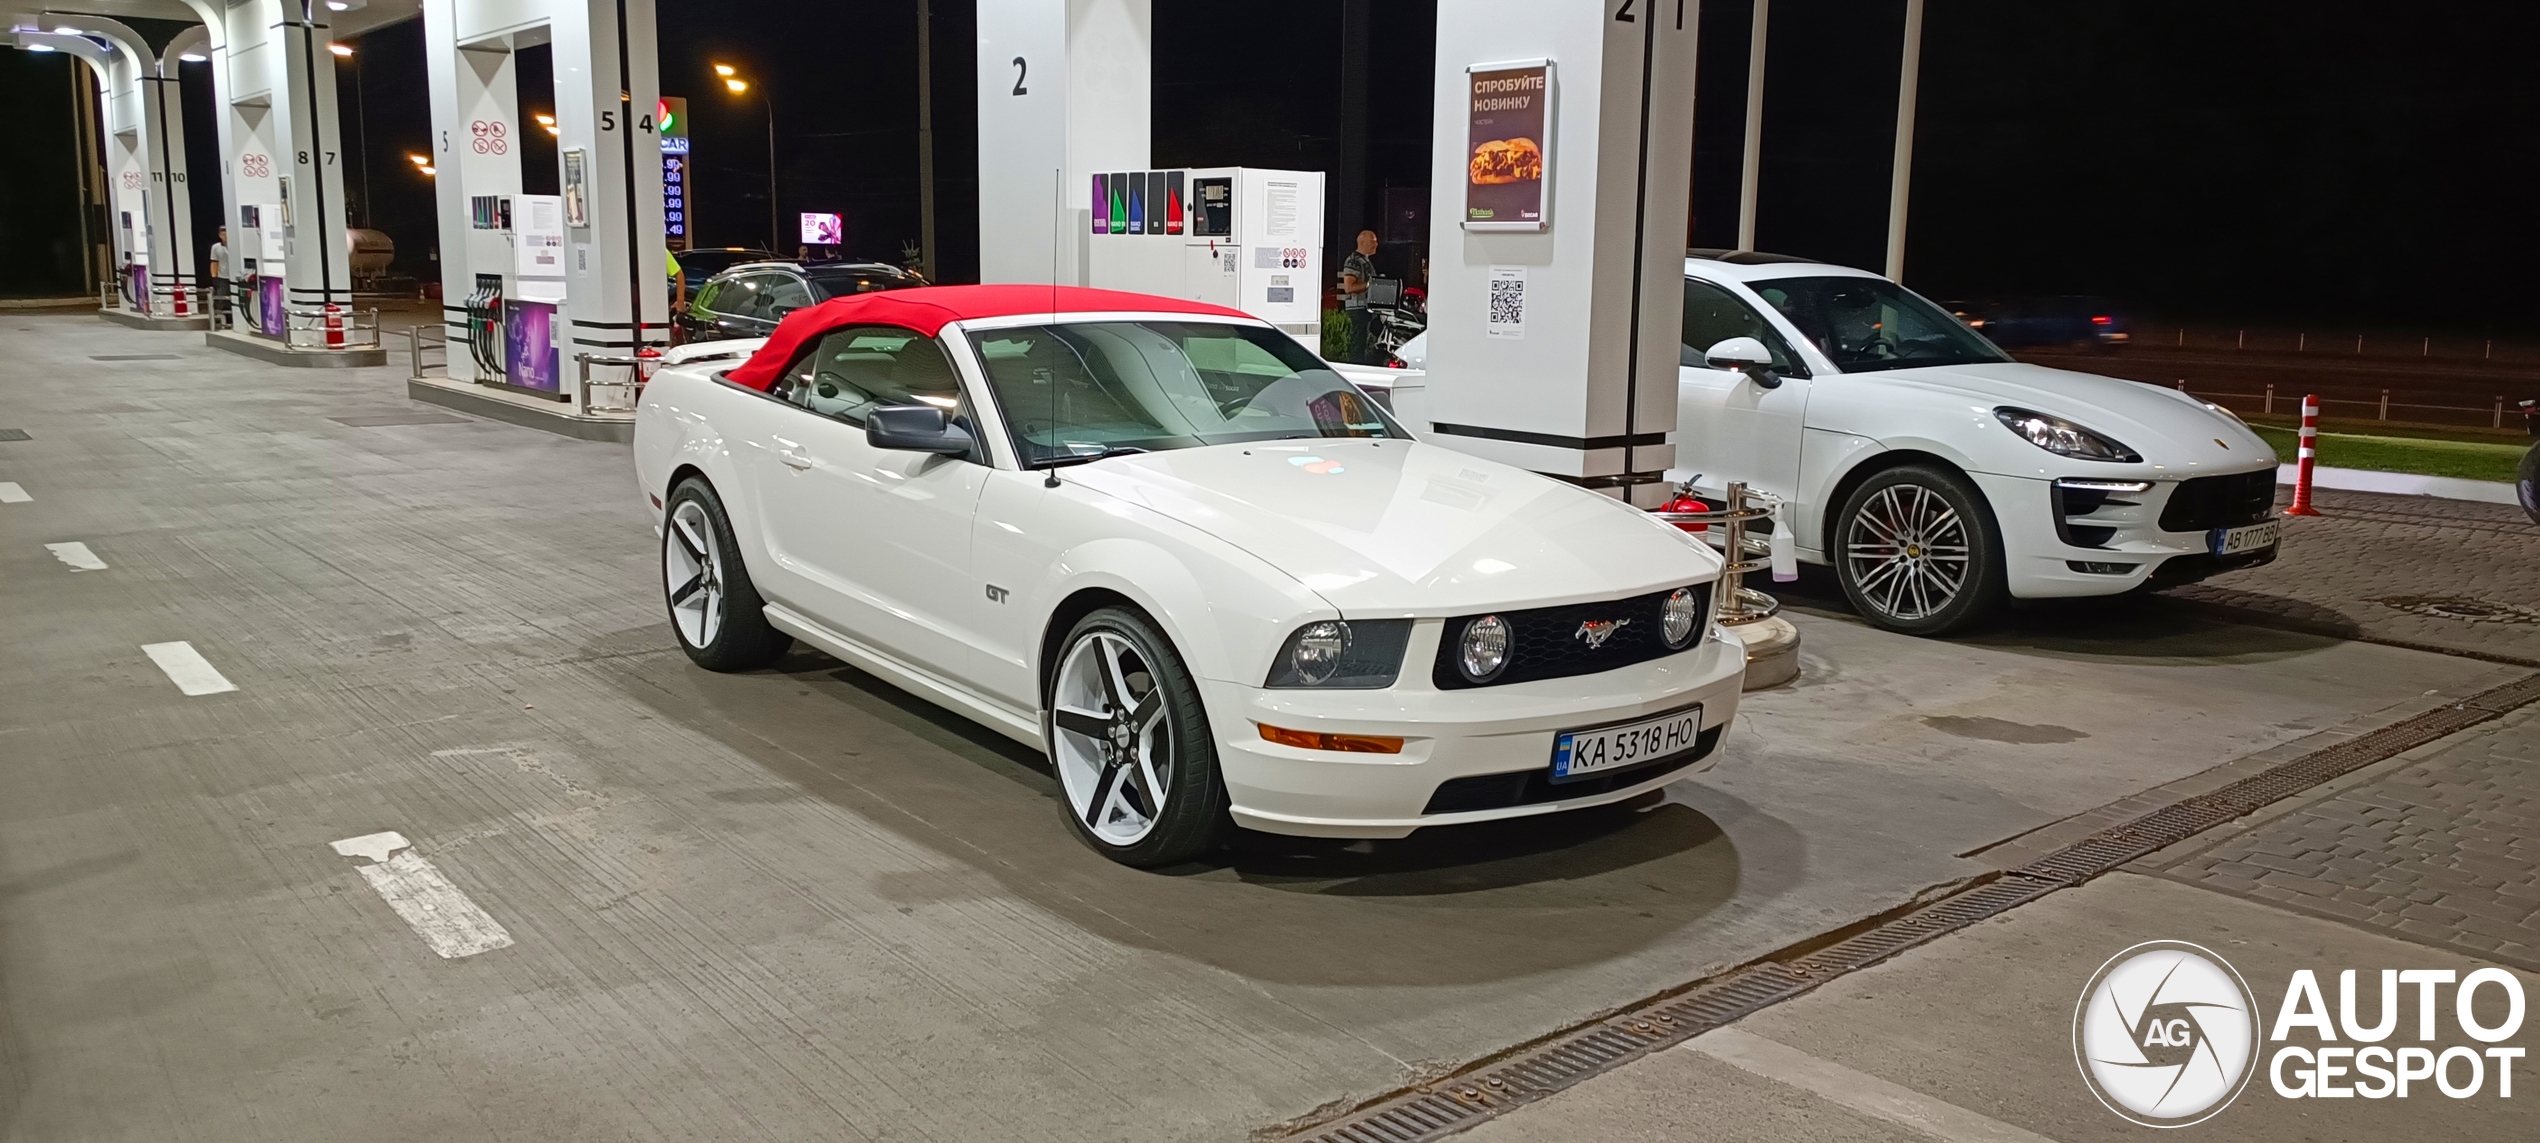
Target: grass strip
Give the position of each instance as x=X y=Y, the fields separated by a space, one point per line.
x=2467 y=460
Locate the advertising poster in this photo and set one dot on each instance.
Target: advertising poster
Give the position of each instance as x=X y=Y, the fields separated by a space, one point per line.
x=1172 y=202
x=1508 y=161
x=1101 y=201
x=529 y=346
x=1137 y=202
x=1119 y=202
x=824 y=229
x=577 y=187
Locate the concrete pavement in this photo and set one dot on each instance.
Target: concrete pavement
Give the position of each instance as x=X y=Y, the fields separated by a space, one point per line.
x=799 y=903
x=1969 y=1038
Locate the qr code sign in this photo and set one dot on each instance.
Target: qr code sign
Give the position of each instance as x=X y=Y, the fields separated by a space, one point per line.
x=1507 y=317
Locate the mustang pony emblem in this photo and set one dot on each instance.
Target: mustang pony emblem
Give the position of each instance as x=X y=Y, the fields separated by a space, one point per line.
x=1597 y=631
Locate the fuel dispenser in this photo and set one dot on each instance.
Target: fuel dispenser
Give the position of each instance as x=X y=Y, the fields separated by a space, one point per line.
x=260 y=255
x=1240 y=237
x=511 y=314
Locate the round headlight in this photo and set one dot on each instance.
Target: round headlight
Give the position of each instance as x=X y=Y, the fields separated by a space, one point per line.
x=1677 y=619
x=1485 y=648
x=1317 y=651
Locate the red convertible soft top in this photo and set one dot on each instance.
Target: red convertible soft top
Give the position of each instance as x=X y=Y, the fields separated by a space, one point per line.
x=928 y=309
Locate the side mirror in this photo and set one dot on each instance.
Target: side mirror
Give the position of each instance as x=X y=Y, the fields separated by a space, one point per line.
x=915 y=428
x=1744 y=355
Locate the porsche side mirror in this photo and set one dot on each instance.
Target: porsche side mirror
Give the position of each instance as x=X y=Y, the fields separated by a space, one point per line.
x=1744 y=355
x=915 y=428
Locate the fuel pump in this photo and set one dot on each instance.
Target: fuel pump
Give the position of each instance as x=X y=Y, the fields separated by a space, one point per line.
x=511 y=313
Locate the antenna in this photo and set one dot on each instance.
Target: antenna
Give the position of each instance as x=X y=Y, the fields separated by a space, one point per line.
x=1058 y=203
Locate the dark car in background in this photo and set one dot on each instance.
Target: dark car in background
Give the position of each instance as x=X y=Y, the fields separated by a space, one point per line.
x=2072 y=319
x=695 y=266
x=748 y=300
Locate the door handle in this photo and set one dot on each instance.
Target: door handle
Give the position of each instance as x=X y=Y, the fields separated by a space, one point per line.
x=791 y=455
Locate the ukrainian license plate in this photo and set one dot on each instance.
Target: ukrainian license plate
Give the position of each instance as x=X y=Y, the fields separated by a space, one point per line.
x=2234 y=541
x=1586 y=753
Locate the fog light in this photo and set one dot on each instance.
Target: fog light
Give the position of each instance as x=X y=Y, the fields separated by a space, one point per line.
x=1684 y=609
x=1345 y=743
x=1485 y=648
x=2094 y=567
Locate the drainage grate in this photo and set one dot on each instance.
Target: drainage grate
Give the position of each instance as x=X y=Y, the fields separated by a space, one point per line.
x=1532 y=1072
x=14 y=435
x=137 y=357
x=2462 y=607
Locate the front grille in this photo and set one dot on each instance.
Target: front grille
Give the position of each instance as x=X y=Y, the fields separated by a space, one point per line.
x=1534 y=787
x=1546 y=643
x=2220 y=501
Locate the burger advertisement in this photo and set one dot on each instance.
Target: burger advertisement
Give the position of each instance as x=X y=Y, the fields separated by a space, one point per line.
x=1508 y=138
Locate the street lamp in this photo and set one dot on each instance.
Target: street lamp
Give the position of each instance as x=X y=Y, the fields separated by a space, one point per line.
x=733 y=83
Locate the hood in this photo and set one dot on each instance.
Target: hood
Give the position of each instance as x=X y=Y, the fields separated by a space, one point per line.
x=1397 y=528
x=2174 y=433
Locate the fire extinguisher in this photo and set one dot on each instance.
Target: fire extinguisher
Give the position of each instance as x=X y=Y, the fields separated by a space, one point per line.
x=334 y=326
x=647 y=360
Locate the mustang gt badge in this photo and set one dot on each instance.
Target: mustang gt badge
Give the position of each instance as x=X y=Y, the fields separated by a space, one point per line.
x=1596 y=631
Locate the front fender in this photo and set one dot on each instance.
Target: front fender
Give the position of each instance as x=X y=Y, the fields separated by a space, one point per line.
x=1225 y=611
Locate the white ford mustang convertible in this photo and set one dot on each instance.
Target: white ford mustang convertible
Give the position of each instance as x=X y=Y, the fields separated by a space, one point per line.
x=1167 y=545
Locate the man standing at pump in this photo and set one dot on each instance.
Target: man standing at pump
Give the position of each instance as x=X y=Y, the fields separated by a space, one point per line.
x=1356 y=271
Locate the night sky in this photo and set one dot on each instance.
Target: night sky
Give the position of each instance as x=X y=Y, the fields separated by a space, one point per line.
x=2325 y=163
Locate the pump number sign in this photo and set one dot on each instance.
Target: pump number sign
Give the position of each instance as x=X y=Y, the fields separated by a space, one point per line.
x=1508 y=163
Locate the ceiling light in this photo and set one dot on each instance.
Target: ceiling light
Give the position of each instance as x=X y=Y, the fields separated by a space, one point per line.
x=736 y=85
x=336 y=5
x=419 y=160
x=429 y=170
x=724 y=70
x=553 y=131
x=191 y=57
x=340 y=49
x=549 y=120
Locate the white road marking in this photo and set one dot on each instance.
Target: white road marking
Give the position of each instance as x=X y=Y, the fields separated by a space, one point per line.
x=76 y=555
x=442 y=915
x=188 y=669
x=12 y=494
x=1859 y=1091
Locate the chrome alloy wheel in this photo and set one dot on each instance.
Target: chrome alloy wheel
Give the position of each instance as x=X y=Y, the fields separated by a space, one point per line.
x=1113 y=740
x=1907 y=551
x=692 y=571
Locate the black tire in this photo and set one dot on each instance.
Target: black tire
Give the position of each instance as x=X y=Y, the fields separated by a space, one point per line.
x=2527 y=484
x=1193 y=820
x=1898 y=586
x=737 y=637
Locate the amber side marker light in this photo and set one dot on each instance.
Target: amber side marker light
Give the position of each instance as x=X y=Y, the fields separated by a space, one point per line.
x=1346 y=743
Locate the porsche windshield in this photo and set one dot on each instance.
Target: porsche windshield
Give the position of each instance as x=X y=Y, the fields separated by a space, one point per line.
x=1084 y=390
x=1869 y=324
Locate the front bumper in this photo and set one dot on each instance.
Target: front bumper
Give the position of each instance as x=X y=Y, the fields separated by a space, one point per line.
x=1449 y=735
x=2128 y=547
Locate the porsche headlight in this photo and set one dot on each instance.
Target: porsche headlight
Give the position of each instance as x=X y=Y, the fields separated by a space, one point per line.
x=2062 y=437
x=1482 y=650
x=1334 y=654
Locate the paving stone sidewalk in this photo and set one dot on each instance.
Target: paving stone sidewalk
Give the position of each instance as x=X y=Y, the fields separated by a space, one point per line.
x=2444 y=849
x=2413 y=569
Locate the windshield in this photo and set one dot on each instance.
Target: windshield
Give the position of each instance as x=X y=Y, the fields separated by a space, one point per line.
x=1084 y=390
x=1869 y=324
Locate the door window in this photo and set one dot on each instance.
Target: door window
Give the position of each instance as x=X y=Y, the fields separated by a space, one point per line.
x=784 y=293
x=1714 y=315
x=854 y=370
x=740 y=296
x=704 y=301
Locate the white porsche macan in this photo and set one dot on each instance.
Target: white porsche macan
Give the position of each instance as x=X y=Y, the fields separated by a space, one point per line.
x=1936 y=475
x=1167 y=545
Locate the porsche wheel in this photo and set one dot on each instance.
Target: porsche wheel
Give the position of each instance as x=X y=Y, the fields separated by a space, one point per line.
x=1130 y=742
x=716 y=611
x=1917 y=552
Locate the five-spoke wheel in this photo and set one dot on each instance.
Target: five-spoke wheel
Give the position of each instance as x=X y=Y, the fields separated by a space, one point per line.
x=1917 y=551
x=1130 y=743
x=714 y=607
